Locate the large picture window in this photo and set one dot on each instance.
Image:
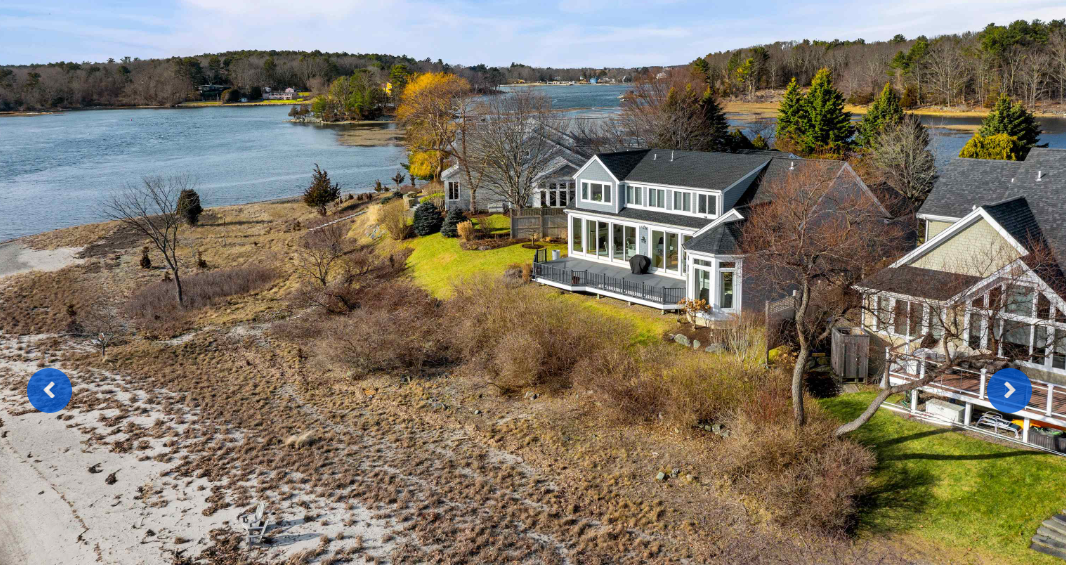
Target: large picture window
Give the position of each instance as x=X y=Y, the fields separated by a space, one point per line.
x=453 y=190
x=596 y=192
x=658 y=249
x=630 y=242
x=602 y=244
x=618 y=242
x=575 y=235
x=682 y=201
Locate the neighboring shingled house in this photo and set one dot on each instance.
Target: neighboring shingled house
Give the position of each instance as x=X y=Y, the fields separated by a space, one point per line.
x=553 y=185
x=685 y=211
x=985 y=221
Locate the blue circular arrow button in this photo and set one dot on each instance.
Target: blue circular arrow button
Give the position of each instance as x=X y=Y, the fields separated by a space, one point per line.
x=1009 y=390
x=49 y=390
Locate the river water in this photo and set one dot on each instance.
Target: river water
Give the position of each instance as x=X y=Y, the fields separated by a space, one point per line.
x=56 y=170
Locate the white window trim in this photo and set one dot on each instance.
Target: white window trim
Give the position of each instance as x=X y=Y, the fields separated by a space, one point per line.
x=680 y=273
x=716 y=274
x=668 y=199
x=608 y=189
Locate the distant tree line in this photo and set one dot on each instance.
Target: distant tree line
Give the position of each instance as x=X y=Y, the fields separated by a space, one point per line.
x=166 y=82
x=1025 y=60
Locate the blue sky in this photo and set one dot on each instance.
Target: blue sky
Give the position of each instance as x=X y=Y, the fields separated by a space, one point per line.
x=593 y=33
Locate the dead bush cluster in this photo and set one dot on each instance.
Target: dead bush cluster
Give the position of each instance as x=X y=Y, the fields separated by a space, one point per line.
x=397 y=330
x=155 y=309
x=515 y=337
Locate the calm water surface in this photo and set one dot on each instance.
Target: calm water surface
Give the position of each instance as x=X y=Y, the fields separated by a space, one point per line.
x=56 y=170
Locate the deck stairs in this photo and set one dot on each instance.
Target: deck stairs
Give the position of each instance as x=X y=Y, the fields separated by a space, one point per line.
x=1050 y=538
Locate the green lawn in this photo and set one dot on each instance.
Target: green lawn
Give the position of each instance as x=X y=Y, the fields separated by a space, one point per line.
x=953 y=489
x=438 y=263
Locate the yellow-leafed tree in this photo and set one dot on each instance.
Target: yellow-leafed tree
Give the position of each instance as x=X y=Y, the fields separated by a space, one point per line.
x=427 y=111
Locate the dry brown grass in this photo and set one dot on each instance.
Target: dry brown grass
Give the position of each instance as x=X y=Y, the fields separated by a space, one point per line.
x=155 y=308
x=463 y=473
x=77 y=236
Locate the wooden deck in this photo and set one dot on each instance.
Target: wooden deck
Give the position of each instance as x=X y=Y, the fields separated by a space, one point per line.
x=971 y=386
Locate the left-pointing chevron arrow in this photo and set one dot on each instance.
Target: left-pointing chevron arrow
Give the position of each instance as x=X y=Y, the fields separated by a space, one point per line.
x=48 y=390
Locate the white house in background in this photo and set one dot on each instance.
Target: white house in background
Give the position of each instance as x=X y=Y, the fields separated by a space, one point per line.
x=683 y=210
x=287 y=94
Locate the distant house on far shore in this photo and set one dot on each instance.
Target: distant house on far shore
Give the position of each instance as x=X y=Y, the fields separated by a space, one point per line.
x=288 y=94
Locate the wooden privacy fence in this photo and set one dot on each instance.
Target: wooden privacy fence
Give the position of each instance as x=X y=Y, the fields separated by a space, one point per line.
x=539 y=223
x=850 y=355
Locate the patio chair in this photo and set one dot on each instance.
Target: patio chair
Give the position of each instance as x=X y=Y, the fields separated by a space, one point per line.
x=255 y=524
x=998 y=422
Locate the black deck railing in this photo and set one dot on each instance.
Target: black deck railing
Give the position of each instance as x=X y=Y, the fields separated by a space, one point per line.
x=666 y=296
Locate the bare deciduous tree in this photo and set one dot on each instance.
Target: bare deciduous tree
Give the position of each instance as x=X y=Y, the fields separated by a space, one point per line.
x=151 y=208
x=817 y=237
x=514 y=144
x=903 y=160
x=104 y=325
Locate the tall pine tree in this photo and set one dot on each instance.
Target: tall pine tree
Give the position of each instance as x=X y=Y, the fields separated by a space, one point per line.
x=1013 y=119
x=885 y=110
x=791 y=113
x=827 y=124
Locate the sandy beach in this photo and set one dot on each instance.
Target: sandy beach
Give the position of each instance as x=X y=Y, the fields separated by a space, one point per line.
x=16 y=257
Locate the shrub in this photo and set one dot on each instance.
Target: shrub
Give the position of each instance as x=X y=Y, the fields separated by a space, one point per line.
x=861 y=98
x=146 y=261
x=394 y=218
x=378 y=186
x=321 y=192
x=399 y=330
x=155 y=308
x=910 y=97
x=255 y=93
x=465 y=230
x=427 y=219
x=231 y=95
x=999 y=146
x=517 y=337
x=451 y=221
x=189 y=206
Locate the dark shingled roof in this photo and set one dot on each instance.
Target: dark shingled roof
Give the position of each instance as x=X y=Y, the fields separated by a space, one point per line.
x=652 y=216
x=696 y=169
x=622 y=162
x=1017 y=218
x=918 y=282
x=966 y=183
x=723 y=239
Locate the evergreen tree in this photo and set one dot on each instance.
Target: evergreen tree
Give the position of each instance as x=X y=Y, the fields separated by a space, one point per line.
x=827 y=125
x=189 y=206
x=451 y=221
x=791 y=112
x=702 y=69
x=884 y=110
x=715 y=125
x=1014 y=120
x=427 y=219
x=322 y=191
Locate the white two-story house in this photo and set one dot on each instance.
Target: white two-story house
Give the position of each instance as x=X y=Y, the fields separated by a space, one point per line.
x=683 y=210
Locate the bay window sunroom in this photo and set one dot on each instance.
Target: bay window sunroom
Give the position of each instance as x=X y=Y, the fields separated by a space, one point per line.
x=618 y=241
